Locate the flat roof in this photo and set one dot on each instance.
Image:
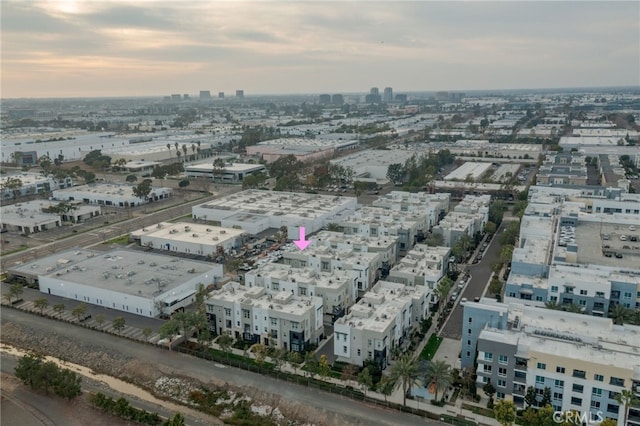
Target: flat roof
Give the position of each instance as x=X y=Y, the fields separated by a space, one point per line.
x=305 y=276
x=132 y=272
x=474 y=169
x=233 y=168
x=115 y=190
x=193 y=233
x=591 y=245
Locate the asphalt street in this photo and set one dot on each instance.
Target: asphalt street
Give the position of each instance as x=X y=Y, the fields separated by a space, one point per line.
x=480 y=274
x=359 y=412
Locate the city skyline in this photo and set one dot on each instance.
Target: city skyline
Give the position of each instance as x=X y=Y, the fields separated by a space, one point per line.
x=150 y=48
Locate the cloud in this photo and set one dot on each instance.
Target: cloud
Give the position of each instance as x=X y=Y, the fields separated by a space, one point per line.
x=270 y=47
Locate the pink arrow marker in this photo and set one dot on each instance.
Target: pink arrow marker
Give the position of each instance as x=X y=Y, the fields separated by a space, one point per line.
x=302 y=243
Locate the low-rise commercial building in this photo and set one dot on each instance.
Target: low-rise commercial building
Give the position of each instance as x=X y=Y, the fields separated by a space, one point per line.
x=230 y=173
x=109 y=194
x=30 y=184
x=256 y=211
x=40 y=215
x=379 y=322
x=282 y=320
x=136 y=282
x=190 y=238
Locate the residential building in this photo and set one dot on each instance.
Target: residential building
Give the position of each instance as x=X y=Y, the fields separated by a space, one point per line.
x=423 y=265
x=281 y=320
x=379 y=322
x=336 y=288
x=585 y=363
x=436 y=206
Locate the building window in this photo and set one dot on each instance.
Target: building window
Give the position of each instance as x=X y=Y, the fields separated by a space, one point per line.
x=502 y=383
x=470 y=319
x=503 y=359
x=303 y=291
x=595 y=404
x=488 y=356
x=500 y=395
x=615 y=381
x=502 y=372
x=583 y=292
x=557 y=396
x=539 y=380
x=344 y=349
x=612 y=408
x=560 y=370
x=599 y=293
x=554 y=289
x=612 y=395
x=579 y=374
x=627 y=295
x=274 y=321
x=541 y=366
x=486 y=368
x=577 y=388
x=596 y=392
x=598 y=377
x=576 y=401
x=246 y=313
x=359 y=352
x=558 y=383
x=294 y=325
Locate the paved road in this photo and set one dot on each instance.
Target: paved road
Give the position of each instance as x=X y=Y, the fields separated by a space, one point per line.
x=358 y=413
x=102 y=234
x=480 y=274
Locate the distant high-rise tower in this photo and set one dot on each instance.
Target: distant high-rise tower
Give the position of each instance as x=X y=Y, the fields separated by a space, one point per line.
x=185 y=96
x=220 y=95
x=240 y=94
x=401 y=97
x=205 y=94
x=388 y=94
x=176 y=97
x=374 y=91
x=337 y=99
x=325 y=99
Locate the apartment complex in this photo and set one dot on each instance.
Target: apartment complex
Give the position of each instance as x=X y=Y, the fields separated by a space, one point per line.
x=282 y=320
x=423 y=265
x=379 y=322
x=585 y=362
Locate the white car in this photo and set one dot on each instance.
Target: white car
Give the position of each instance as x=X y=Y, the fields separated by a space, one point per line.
x=623 y=238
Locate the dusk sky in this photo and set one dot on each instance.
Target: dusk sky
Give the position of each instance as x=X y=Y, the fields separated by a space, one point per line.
x=65 y=48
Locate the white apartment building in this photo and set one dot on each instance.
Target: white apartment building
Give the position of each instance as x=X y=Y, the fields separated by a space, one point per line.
x=380 y=321
x=455 y=225
x=191 y=238
x=256 y=211
x=423 y=265
x=336 y=288
x=584 y=361
x=137 y=282
x=435 y=206
x=108 y=194
x=375 y=221
x=32 y=183
x=387 y=246
x=282 y=320
x=364 y=267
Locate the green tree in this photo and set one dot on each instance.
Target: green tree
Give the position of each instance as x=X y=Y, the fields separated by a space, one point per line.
x=295 y=359
x=495 y=286
x=225 y=341
x=439 y=373
x=169 y=330
x=59 y=308
x=546 y=397
x=396 y=173
x=100 y=319
x=323 y=366
x=626 y=398
x=67 y=384
x=489 y=390
x=176 y=420
x=405 y=370
x=131 y=178
x=287 y=165
x=143 y=189
x=253 y=181
x=46 y=376
x=530 y=397
x=41 y=303
x=80 y=312
x=618 y=313
x=15 y=292
x=118 y=324
x=490 y=228
x=504 y=412
x=260 y=352
x=146 y=332
x=365 y=380
x=434 y=240
x=27 y=368
x=385 y=387
x=442 y=291
x=12 y=184
x=506 y=253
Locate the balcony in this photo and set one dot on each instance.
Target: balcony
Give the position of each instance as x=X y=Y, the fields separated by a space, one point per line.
x=519 y=389
x=520 y=377
x=521 y=365
x=579 y=374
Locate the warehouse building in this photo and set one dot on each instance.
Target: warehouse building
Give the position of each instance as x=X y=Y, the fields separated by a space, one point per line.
x=40 y=215
x=231 y=173
x=109 y=194
x=137 y=282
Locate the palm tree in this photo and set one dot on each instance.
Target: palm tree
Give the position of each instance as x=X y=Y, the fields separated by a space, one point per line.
x=573 y=308
x=552 y=304
x=466 y=241
x=178 y=154
x=406 y=370
x=184 y=149
x=618 y=313
x=193 y=148
x=41 y=304
x=169 y=148
x=626 y=398
x=176 y=145
x=333 y=227
x=438 y=373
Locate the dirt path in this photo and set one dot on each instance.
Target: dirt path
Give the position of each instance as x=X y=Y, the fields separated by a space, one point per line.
x=119 y=386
